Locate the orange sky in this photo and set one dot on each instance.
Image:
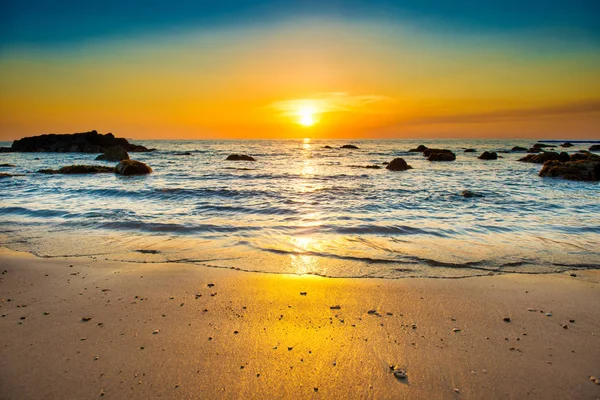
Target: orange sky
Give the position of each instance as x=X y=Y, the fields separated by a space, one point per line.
x=367 y=79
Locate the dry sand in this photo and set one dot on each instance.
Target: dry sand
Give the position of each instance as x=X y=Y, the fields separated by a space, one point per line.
x=159 y=330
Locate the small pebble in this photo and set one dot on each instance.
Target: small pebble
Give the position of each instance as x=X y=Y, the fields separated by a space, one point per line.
x=335 y=307
x=456 y=330
x=399 y=374
x=86 y=319
x=506 y=319
x=548 y=314
x=565 y=326
x=155 y=332
x=302 y=293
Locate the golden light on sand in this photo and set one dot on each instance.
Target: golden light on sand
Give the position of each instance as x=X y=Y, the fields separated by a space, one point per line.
x=306 y=115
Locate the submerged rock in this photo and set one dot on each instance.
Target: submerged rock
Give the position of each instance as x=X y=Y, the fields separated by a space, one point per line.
x=115 y=153
x=546 y=156
x=594 y=147
x=584 y=155
x=518 y=148
x=421 y=148
x=132 y=167
x=582 y=170
x=349 y=146
x=85 y=142
x=79 y=169
x=567 y=144
x=488 y=155
x=327 y=147
x=470 y=150
x=398 y=164
x=7 y=165
x=185 y=153
x=239 y=157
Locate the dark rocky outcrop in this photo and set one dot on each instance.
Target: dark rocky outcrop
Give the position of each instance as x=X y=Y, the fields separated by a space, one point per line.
x=349 y=146
x=85 y=142
x=5 y=149
x=537 y=147
x=439 y=155
x=327 y=147
x=488 y=155
x=594 y=147
x=546 y=156
x=5 y=175
x=79 y=169
x=470 y=150
x=421 y=148
x=567 y=144
x=7 y=165
x=115 y=153
x=132 y=167
x=467 y=194
x=585 y=155
x=184 y=153
x=518 y=148
x=398 y=164
x=582 y=170
x=239 y=157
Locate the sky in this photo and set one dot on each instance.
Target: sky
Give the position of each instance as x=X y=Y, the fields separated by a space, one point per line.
x=244 y=69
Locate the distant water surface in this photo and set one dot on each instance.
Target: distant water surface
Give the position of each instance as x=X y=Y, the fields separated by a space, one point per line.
x=301 y=208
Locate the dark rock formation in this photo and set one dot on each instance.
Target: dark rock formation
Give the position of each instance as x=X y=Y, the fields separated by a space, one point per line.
x=366 y=166
x=5 y=149
x=115 y=153
x=583 y=170
x=567 y=144
x=86 y=142
x=488 y=155
x=595 y=147
x=547 y=156
x=239 y=157
x=185 y=153
x=421 y=148
x=518 y=148
x=470 y=150
x=469 y=194
x=7 y=165
x=349 y=146
x=398 y=164
x=439 y=155
x=585 y=155
x=327 y=147
x=132 y=167
x=79 y=169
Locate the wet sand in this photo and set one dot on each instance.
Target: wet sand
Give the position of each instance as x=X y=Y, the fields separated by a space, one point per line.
x=184 y=331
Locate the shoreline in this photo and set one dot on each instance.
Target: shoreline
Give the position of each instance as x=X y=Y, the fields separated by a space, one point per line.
x=160 y=330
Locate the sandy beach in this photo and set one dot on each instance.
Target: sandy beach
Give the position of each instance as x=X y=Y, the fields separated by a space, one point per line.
x=183 y=331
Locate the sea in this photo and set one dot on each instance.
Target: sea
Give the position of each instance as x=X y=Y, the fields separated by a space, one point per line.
x=301 y=208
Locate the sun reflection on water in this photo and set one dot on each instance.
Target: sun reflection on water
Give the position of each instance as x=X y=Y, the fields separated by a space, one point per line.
x=304 y=263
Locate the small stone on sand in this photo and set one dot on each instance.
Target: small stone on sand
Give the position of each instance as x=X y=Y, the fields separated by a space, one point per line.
x=456 y=330
x=506 y=319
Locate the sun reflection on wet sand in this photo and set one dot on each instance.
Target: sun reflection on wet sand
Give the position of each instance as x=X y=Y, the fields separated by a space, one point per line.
x=303 y=263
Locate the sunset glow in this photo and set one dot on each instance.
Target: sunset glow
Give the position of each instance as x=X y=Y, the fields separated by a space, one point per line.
x=307 y=116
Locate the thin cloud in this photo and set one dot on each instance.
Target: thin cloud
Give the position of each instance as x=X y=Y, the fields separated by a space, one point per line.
x=329 y=102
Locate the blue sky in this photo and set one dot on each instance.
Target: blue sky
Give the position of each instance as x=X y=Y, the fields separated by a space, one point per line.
x=58 y=23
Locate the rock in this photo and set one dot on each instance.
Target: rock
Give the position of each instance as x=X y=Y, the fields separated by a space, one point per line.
x=399 y=373
x=86 y=319
x=185 y=153
x=5 y=175
x=567 y=144
x=467 y=194
x=338 y=307
x=455 y=330
x=85 y=142
x=583 y=170
x=7 y=165
x=547 y=156
x=79 y=169
x=488 y=155
x=506 y=319
x=349 y=146
x=239 y=157
x=327 y=147
x=470 y=150
x=366 y=166
x=115 y=153
x=594 y=147
x=442 y=156
x=132 y=167
x=518 y=148
x=541 y=145
x=421 y=148
x=398 y=164
x=584 y=155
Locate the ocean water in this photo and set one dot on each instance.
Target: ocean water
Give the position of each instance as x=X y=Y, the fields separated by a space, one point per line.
x=304 y=209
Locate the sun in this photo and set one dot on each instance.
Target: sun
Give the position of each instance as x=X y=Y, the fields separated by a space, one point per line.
x=307 y=116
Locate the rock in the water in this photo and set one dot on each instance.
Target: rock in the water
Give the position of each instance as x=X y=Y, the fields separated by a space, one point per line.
x=85 y=142
x=349 y=146
x=594 y=147
x=185 y=153
x=79 y=169
x=488 y=155
x=439 y=155
x=7 y=165
x=239 y=157
x=398 y=164
x=567 y=144
x=421 y=148
x=546 y=156
x=518 y=148
x=470 y=150
x=115 y=153
x=584 y=155
x=327 y=147
x=469 y=194
x=132 y=167
x=583 y=170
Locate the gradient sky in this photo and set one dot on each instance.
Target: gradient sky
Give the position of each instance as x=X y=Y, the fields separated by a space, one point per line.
x=243 y=69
